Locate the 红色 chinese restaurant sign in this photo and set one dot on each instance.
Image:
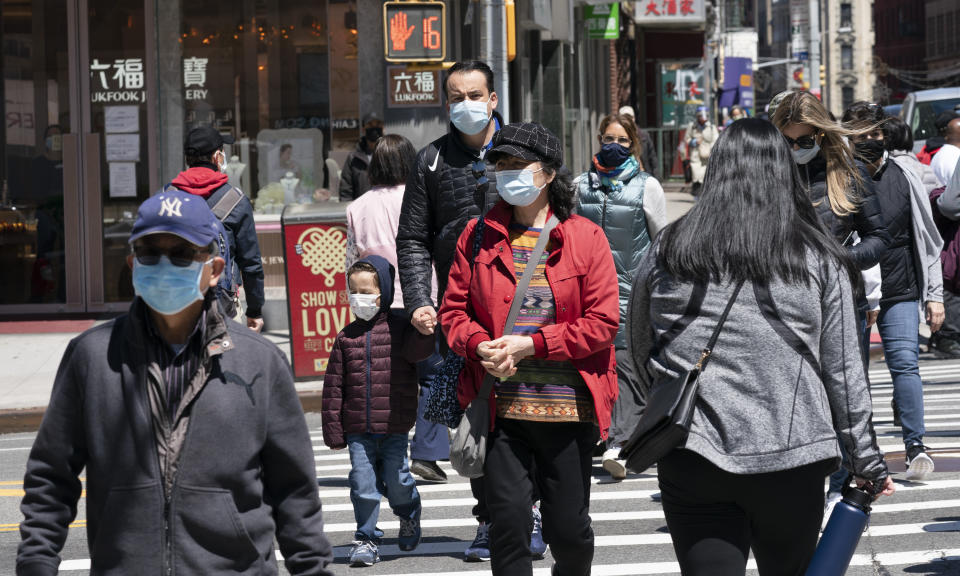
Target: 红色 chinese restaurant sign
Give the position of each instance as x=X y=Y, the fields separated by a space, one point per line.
x=669 y=12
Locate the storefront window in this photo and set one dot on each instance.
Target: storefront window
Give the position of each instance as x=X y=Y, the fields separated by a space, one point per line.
x=36 y=112
x=263 y=72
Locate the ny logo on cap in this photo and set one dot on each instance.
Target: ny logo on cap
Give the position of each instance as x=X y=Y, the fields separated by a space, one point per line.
x=170 y=207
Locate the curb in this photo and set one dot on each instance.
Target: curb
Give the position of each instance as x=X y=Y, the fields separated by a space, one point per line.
x=19 y=420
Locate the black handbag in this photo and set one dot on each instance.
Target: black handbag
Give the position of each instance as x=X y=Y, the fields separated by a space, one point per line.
x=665 y=423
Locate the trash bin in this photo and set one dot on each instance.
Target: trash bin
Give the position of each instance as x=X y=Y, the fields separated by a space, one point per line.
x=314 y=254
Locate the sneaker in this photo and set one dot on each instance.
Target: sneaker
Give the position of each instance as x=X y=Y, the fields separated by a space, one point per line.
x=896 y=413
x=479 y=550
x=428 y=470
x=944 y=347
x=919 y=465
x=364 y=553
x=829 y=504
x=410 y=533
x=537 y=546
x=613 y=465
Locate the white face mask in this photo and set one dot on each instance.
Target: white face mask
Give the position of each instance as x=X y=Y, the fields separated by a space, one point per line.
x=517 y=186
x=802 y=156
x=364 y=306
x=470 y=116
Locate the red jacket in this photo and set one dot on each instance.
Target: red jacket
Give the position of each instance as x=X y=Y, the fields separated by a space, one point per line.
x=583 y=279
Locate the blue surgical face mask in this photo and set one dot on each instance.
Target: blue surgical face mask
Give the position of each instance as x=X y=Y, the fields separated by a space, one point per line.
x=167 y=288
x=517 y=186
x=612 y=155
x=803 y=156
x=470 y=116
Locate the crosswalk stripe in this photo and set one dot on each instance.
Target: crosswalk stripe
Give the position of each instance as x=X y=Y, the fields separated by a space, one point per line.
x=919 y=528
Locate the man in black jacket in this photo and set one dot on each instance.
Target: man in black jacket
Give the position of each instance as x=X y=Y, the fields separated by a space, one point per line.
x=187 y=428
x=353 y=178
x=203 y=152
x=450 y=183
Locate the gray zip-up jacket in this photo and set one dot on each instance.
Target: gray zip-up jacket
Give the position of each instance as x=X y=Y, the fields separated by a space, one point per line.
x=239 y=462
x=784 y=379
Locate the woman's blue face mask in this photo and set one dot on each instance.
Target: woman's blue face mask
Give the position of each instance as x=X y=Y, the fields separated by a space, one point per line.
x=167 y=288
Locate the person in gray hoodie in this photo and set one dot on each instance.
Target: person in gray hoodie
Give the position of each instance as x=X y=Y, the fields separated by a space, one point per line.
x=187 y=428
x=785 y=377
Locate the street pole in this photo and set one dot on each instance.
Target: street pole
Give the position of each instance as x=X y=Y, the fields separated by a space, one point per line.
x=814 y=74
x=493 y=51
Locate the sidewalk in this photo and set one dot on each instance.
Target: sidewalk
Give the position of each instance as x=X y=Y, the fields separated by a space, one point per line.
x=30 y=352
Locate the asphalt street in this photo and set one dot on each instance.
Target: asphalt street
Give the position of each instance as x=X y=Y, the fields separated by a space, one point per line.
x=916 y=531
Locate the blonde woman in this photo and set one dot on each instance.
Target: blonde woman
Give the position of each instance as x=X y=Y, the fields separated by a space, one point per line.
x=839 y=186
x=628 y=204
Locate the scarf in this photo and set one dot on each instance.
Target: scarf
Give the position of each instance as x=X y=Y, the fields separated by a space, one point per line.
x=614 y=177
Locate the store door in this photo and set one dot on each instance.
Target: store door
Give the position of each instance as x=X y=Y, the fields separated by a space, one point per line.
x=73 y=152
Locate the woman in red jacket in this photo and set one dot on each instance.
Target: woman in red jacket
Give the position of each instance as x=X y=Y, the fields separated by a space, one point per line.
x=557 y=373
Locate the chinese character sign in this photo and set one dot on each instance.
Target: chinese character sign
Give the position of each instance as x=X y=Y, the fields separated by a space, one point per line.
x=414 y=31
x=412 y=88
x=603 y=21
x=659 y=12
x=121 y=80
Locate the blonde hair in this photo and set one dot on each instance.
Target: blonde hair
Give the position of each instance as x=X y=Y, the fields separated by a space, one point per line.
x=804 y=108
x=630 y=127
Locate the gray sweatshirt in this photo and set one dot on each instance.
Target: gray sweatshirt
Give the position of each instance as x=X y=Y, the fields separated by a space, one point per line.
x=764 y=405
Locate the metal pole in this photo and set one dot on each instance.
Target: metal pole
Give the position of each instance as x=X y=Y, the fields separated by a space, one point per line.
x=493 y=51
x=815 y=46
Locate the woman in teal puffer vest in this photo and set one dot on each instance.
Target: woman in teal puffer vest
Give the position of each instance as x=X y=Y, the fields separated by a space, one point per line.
x=629 y=205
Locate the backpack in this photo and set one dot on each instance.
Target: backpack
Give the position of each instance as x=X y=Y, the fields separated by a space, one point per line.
x=228 y=288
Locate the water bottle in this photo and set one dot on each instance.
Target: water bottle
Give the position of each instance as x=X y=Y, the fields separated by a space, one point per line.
x=842 y=534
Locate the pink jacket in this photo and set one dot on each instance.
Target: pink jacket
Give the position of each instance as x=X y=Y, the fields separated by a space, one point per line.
x=372 y=222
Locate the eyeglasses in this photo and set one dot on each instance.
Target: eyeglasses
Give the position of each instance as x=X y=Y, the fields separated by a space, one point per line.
x=623 y=141
x=804 y=142
x=181 y=255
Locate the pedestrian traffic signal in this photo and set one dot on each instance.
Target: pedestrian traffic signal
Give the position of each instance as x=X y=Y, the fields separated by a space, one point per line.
x=414 y=31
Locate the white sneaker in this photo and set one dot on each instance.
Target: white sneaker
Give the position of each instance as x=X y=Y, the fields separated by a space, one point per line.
x=832 y=499
x=919 y=465
x=613 y=465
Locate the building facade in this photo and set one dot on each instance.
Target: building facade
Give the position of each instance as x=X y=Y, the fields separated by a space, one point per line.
x=98 y=96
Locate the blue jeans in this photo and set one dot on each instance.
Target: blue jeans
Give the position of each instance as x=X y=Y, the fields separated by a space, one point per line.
x=378 y=467
x=898 y=325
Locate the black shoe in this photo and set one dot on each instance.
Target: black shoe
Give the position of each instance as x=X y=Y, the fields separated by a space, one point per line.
x=944 y=346
x=428 y=470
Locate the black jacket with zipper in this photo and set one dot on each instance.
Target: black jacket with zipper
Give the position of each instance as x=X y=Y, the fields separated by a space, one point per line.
x=898 y=265
x=242 y=474
x=441 y=196
x=867 y=221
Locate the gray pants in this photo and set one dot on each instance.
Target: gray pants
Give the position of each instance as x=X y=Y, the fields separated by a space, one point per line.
x=630 y=403
x=951 y=324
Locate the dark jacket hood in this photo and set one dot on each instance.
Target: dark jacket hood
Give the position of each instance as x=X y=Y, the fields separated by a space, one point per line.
x=200 y=180
x=385 y=273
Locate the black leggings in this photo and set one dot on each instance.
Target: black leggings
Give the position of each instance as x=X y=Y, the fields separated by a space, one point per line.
x=716 y=517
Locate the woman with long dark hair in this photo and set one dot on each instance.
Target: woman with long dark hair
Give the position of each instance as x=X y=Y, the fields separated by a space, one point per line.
x=785 y=378
x=557 y=378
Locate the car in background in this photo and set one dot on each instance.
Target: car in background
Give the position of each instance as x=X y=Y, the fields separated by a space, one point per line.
x=892 y=109
x=921 y=108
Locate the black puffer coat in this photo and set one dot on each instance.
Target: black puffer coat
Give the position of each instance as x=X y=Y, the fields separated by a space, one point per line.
x=371 y=382
x=441 y=196
x=867 y=222
x=898 y=265
x=354 y=181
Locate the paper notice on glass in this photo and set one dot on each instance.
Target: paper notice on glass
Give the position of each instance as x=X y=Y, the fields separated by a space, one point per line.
x=123 y=147
x=121 y=119
x=123 y=179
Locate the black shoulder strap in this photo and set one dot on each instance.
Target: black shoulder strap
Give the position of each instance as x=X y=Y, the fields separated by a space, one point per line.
x=708 y=351
x=227 y=202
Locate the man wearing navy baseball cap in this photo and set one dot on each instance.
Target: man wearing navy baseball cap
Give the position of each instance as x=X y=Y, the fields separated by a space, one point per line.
x=187 y=427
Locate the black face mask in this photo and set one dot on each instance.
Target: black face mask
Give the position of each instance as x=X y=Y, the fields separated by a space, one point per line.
x=869 y=151
x=373 y=134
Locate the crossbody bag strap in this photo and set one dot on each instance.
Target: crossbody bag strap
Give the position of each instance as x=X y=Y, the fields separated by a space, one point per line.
x=705 y=355
x=522 y=286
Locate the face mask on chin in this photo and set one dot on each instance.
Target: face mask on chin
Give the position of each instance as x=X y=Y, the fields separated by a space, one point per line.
x=166 y=288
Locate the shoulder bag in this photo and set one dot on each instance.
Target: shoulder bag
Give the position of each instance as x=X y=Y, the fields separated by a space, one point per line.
x=468 y=445
x=665 y=423
x=443 y=406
